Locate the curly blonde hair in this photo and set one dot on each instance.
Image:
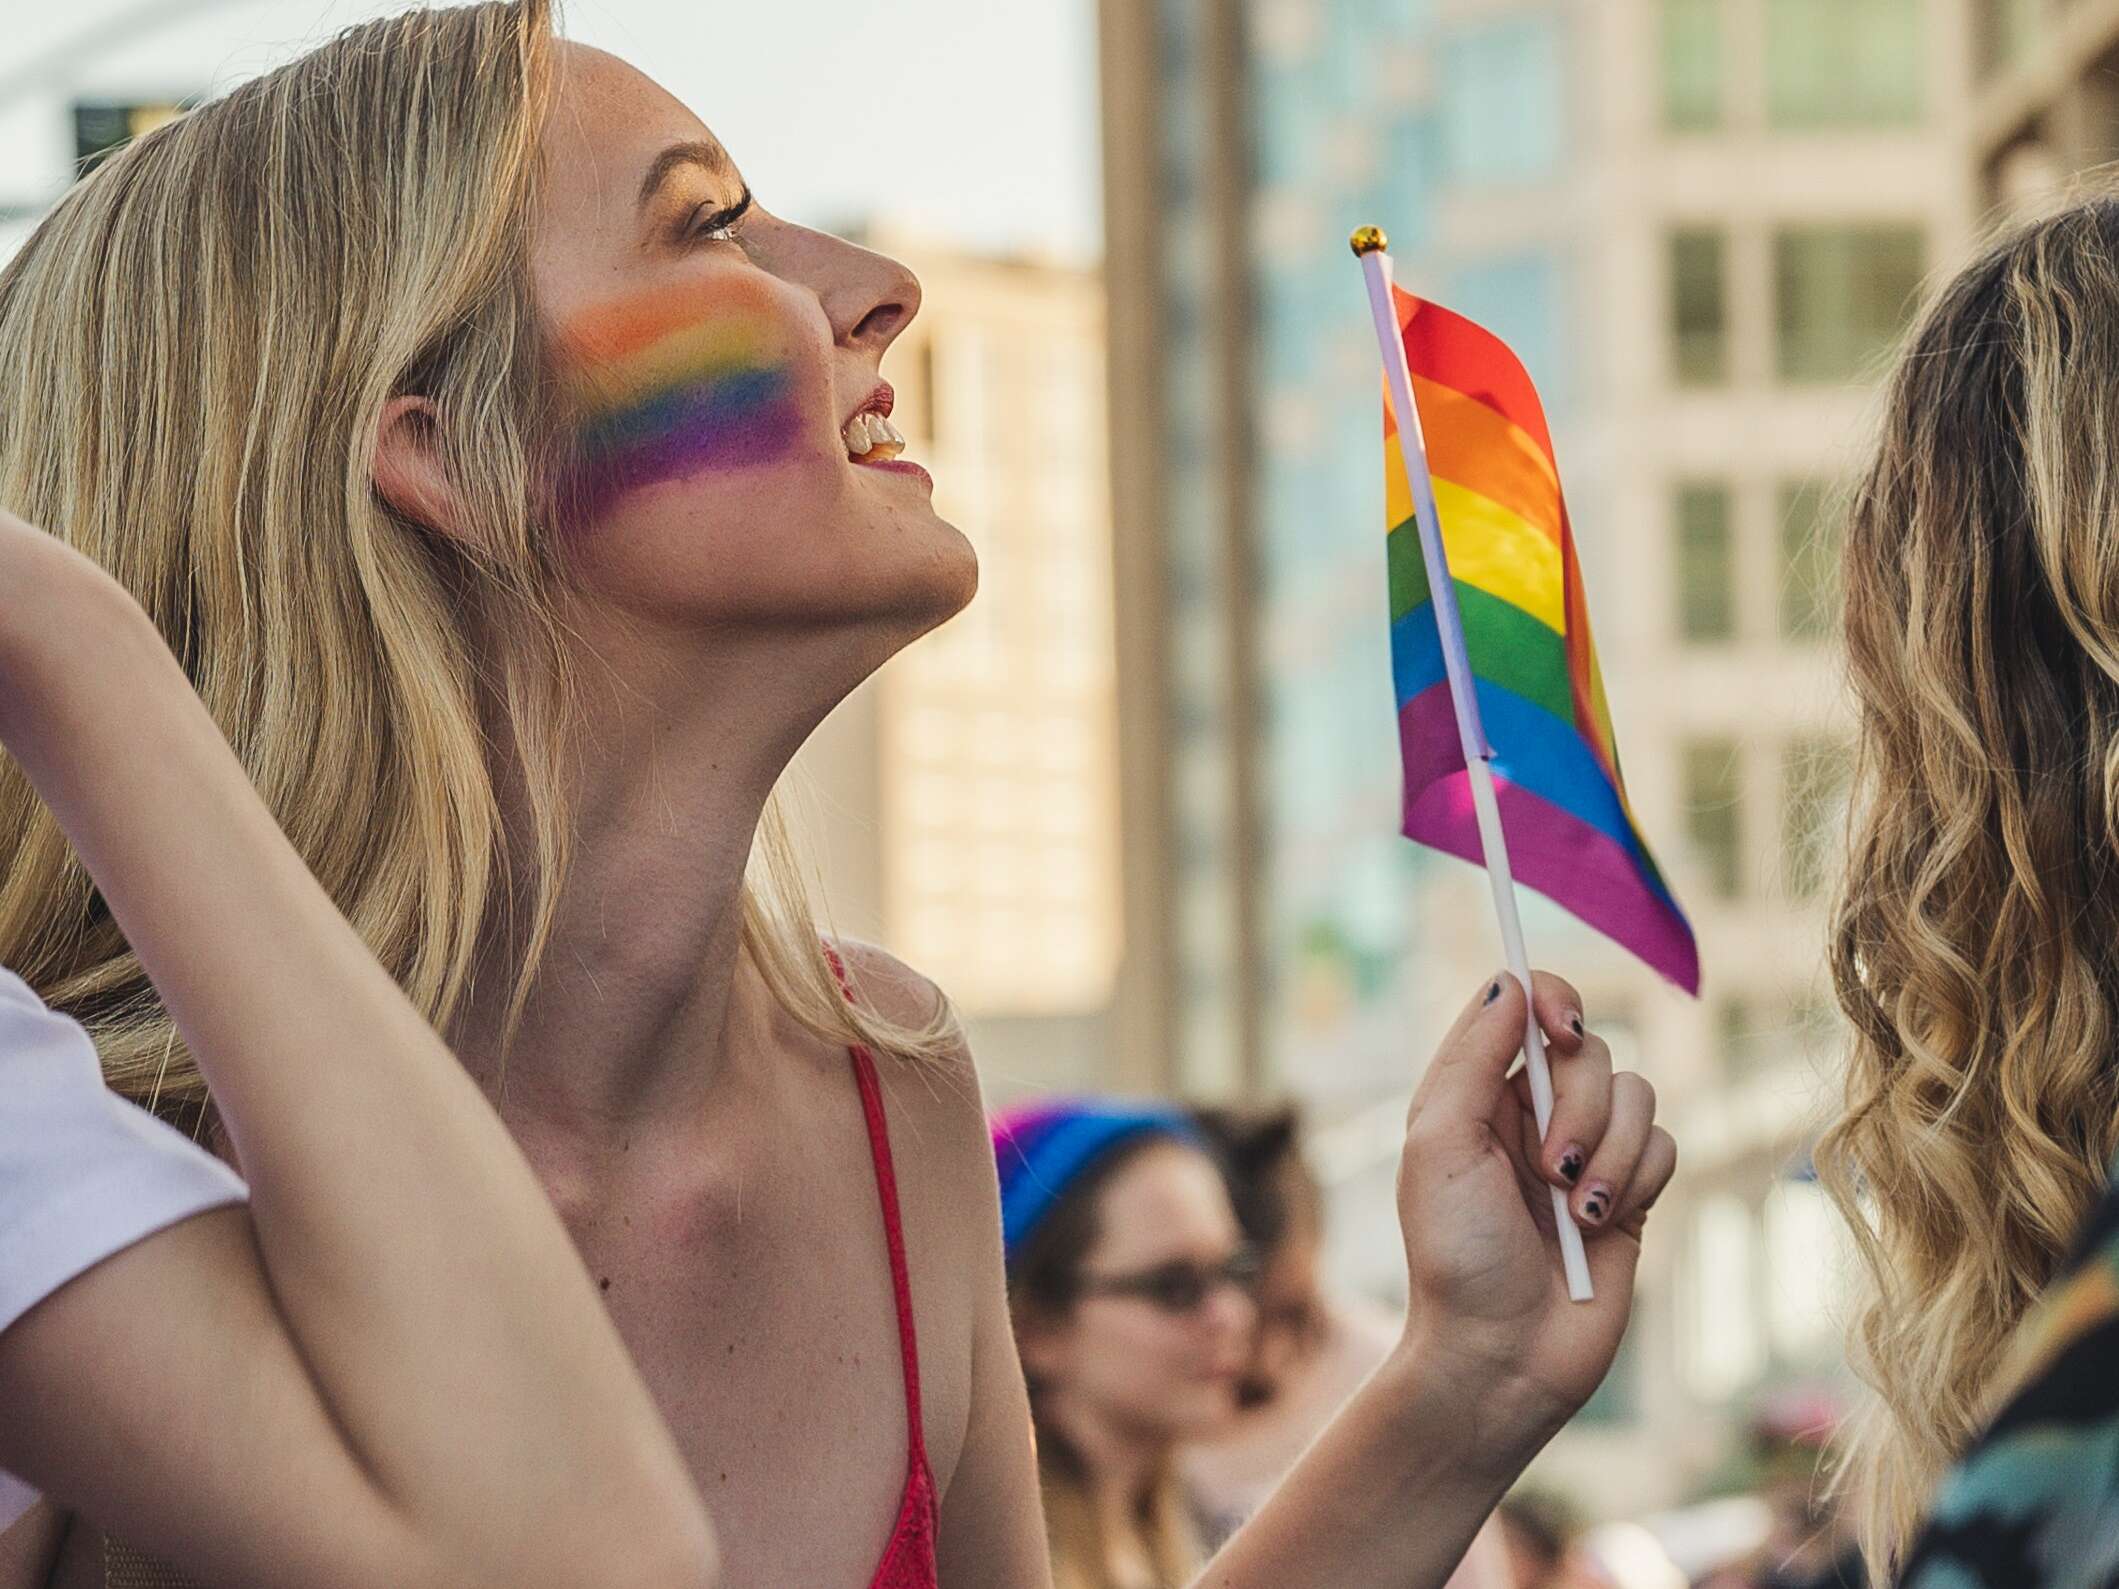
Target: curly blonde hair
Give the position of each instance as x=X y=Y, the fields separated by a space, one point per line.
x=1975 y=936
x=196 y=349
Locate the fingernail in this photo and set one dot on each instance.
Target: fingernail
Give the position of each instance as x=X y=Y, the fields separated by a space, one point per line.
x=1597 y=1204
x=1571 y=1163
x=1493 y=992
x=1574 y=1022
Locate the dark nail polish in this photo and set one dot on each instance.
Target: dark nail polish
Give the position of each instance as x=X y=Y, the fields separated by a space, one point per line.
x=1493 y=992
x=1596 y=1206
x=1574 y=1024
x=1571 y=1166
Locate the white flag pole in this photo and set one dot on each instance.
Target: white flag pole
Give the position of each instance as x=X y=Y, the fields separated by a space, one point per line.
x=1372 y=248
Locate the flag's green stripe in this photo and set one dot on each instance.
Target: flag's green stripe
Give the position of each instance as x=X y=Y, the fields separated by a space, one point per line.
x=1507 y=646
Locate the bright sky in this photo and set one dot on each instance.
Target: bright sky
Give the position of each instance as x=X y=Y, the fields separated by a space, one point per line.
x=972 y=120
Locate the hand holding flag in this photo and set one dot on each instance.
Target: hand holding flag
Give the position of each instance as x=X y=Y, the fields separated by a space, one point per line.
x=1490 y=635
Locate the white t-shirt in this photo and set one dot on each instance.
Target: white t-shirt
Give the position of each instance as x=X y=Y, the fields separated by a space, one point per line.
x=83 y=1173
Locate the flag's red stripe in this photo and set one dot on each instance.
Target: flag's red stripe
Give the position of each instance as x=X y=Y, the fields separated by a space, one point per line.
x=1449 y=349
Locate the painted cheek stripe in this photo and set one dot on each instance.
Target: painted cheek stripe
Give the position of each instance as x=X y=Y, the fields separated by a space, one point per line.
x=703 y=397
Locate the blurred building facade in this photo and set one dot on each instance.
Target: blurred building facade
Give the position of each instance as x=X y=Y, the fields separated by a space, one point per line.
x=962 y=807
x=1702 y=223
x=2045 y=98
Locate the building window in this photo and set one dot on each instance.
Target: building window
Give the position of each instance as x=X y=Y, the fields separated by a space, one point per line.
x=1806 y=1264
x=1692 y=65
x=1842 y=294
x=924 y=362
x=103 y=127
x=1737 y=1039
x=1699 y=306
x=1722 y=1337
x=1844 y=63
x=1712 y=792
x=1504 y=101
x=1813 y=803
x=1616 y=1402
x=1706 y=562
x=1809 y=560
x=2003 y=32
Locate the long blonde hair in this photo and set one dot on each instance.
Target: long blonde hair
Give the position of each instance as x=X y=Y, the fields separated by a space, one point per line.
x=1975 y=938
x=196 y=348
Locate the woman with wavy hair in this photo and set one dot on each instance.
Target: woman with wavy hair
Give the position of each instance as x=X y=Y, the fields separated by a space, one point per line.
x=1975 y=941
x=518 y=494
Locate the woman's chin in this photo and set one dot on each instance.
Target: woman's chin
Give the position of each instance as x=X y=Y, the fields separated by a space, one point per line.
x=942 y=580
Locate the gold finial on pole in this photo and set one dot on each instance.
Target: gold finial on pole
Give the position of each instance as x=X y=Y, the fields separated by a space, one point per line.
x=1368 y=240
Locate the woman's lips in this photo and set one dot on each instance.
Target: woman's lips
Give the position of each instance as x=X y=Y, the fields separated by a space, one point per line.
x=896 y=466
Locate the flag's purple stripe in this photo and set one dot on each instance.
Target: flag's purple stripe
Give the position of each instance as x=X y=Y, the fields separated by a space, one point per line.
x=1567 y=861
x=1533 y=749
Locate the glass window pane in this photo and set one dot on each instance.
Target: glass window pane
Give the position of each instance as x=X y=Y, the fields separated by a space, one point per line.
x=1809 y=561
x=1706 y=563
x=1842 y=294
x=1503 y=101
x=1712 y=798
x=1722 y=1342
x=1699 y=312
x=1814 y=775
x=1736 y=1039
x=1692 y=65
x=1844 y=63
x=2003 y=31
x=1806 y=1261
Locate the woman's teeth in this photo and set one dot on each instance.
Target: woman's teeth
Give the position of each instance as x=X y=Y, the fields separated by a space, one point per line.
x=870 y=438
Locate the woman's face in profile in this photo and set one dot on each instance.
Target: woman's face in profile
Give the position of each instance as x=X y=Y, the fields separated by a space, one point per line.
x=730 y=460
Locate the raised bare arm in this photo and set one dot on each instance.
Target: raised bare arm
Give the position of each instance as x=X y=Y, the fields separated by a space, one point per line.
x=392 y=1368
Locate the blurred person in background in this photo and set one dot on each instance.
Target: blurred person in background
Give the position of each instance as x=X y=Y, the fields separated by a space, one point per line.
x=1535 y=1529
x=1310 y=1347
x=1809 y=1542
x=1131 y=1286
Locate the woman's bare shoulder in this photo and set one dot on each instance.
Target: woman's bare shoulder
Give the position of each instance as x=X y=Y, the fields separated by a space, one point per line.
x=935 y=1096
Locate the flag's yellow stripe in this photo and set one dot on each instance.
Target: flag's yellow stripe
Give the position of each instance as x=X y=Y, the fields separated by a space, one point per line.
x=1500 y=552
x=1469 y=441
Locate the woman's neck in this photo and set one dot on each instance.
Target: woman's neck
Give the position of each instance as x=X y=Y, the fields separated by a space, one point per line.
x=1122 y=1470
x=639 y=998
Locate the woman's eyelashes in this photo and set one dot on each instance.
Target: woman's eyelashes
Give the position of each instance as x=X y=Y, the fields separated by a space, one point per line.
x=718 y=225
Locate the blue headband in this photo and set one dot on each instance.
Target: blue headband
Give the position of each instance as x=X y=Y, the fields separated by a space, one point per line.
x=1043 y=1149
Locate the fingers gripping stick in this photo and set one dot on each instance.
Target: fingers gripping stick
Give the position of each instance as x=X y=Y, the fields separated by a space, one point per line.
x=1572 y=1258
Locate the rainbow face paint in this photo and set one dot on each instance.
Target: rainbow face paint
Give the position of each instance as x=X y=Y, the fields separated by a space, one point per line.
x=665 y=389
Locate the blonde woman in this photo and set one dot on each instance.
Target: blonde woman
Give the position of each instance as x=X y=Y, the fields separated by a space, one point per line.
x=356 y=1392
x=1976 y=936
x=518 y=494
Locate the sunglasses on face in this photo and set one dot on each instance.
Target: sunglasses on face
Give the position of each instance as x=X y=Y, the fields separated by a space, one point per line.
x=1178 y=1287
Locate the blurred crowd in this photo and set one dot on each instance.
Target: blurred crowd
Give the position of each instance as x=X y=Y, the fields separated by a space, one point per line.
x=1182 y=1347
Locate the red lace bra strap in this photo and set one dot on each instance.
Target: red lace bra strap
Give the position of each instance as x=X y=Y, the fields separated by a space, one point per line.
x=864 y=1069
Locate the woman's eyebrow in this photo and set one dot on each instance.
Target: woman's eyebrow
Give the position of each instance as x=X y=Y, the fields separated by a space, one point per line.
x=709 y=156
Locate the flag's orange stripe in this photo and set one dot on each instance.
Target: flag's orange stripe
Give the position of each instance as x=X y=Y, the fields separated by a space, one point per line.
x=1453 y=351
x=1477 y=447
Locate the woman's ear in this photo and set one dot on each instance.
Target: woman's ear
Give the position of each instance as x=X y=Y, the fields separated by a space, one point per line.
x=409 y=472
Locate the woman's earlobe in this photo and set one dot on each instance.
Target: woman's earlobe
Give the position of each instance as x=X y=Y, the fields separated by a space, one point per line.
x=408 y=469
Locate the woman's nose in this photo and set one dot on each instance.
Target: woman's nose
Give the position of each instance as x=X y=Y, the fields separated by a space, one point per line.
x=1230 y=1311
x=896 y=294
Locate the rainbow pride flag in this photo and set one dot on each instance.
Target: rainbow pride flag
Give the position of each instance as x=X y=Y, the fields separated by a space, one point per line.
x=1511 y=556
